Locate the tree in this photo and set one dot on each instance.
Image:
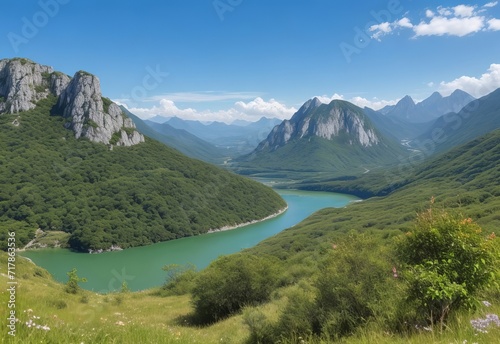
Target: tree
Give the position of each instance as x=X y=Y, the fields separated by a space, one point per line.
x=72 y=286
x=446 y=261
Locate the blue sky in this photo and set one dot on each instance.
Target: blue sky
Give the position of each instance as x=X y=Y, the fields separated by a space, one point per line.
x=243 y=59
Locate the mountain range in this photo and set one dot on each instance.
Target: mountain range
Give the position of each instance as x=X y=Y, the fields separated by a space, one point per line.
x=180 y=139
x=429 y=109
x=235 y=139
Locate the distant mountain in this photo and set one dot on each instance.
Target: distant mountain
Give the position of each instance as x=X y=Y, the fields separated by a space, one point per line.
x=234 y=139
x=324 y=137
x=159 y=119
x=179 y=139
x=396 y=128
x=479 y=117
x=429 y=109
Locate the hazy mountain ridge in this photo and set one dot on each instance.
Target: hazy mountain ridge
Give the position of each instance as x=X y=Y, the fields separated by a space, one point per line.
x=179 y=139
x=429 y=109
x=477 y=118
x=232 y=139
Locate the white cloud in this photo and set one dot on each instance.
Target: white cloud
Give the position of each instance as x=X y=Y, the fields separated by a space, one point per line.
x=464 y=10
x=251 y=111
x=444 y=11
x=491 y=4
x=326 y=100
x=404 y=22
x=439 y=26
x=494 y=24
x=460 y=21
x=478 y=87
x=380 y=30
x=374 y=103
x=259 y=107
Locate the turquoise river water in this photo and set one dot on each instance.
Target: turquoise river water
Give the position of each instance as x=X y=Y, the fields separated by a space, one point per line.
x=141 y=267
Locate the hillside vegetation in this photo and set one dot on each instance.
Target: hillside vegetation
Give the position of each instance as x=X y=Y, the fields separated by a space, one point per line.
x=124 y=196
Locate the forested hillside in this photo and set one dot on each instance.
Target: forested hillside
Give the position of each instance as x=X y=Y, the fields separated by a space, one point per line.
x=124 y=196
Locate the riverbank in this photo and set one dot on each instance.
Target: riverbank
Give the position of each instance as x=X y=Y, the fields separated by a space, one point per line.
x=228 y=228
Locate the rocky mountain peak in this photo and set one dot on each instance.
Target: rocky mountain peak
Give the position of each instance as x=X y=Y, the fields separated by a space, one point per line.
x=23 y=83
x=328 y=121
x=93 y=116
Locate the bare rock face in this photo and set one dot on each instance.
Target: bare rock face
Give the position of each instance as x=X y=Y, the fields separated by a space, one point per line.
x=93 y=116
x=23 y=83
x=327 y=121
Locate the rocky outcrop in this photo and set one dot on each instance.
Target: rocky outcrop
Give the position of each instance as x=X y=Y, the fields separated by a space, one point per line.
x=23 y=83
x=94 y=117
x=327 y=121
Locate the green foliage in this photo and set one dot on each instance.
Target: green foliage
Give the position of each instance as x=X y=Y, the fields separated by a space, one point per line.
x=446 y=262
x=180 y=279
x=106 y=102
x=232 y=282
x=351 y=287
x=72 y=286
x=40 y=88
x=117 y=135
x=126 y=197
x=352 y=284
x=91 y=123
x=124 y=287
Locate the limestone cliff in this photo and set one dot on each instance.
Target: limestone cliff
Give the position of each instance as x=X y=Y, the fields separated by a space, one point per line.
x=327 y=121
x=93 y=116
x=23 y=83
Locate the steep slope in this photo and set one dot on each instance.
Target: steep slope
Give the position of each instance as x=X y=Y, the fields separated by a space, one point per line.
x=477 y=118
x=335 y=137
x=71 y=161
x=179 y=139
x=429 y=109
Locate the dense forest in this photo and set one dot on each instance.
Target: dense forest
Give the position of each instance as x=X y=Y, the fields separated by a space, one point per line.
x=104 y=195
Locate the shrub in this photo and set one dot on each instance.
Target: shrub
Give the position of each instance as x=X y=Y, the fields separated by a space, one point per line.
x=72 y=286
x=232 y=282
x=353 y=282
x=353 y=285
x=446 y=262
x=180 y=279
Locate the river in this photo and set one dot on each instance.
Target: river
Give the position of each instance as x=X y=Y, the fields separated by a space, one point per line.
x=141 y=267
